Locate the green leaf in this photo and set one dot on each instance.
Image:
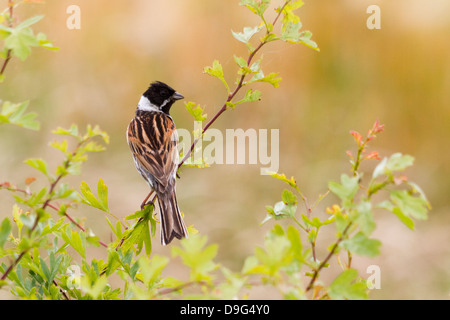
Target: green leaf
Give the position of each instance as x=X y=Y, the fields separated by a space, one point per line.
x=252 y=266
x=271 y=78
x=415 y=189
x=277 y=231
x=74 y=168
x=93 y=147
x=21 y=38
x=283 y=178
x=196 y=255
x=241 y=62
x=38 y=164
x=151 y=268
x=146 y=239
x=361 y=245
x=95 y=289
x=364 y=217
x=217 y=71
x=5 y=230
x=305 y=38
x=139 y=233
x=89 y=198
x=20 y=42
x=407 y=221
x=72 y=131
x=288 y=198
x=43 y=42
x=62 y=146
x=29 y=22
x=282 y=252
x=102 y=192
x=315 y=221
x=399 y=162
x=288 y=15
x=282 y=209
x=15 y=114
x=293 y=236
x=195 y=110
x=77 y=240
x=250 y=96
x=96 y=132
x=410 y=205
x=244 y=68
x=45 y=270
x=37 y=197
x=345 y=190
x=232 y=287
x=380 y=168
x=347 y=286
x=117 y=229
x=256 y=6
x=291 y=32
x=17 y=212
x=52 y=227
x=275 y=255
x=246 y=35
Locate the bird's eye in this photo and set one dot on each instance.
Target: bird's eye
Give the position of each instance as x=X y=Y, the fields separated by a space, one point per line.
x=164 y=92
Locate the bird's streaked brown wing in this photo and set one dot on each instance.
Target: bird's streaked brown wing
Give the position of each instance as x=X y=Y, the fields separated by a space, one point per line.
x=153 y=140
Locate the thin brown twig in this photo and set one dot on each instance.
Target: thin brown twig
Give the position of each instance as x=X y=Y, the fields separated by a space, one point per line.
x=54 y=184
x=232 y=94
x=44 y=206
x=10 y=24
x=72 y=220
x=180 y=287
x=328 y=257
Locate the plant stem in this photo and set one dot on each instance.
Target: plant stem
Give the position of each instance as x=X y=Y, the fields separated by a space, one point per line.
x=224 y=107
x=180 y=287
x=232 y=94
x=44 y=206
x=10 y=24
x=328 y=257
x=358 y=160
x=77 y=224
x=14 y=189
x=5 y=63
x=13 y=264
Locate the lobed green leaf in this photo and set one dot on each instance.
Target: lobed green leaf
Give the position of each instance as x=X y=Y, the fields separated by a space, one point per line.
x=256 y=6
x=14 y=113
x=345 y=190
x=348 y=286
x=195 y=110
x=89 y=198
x=217 y=71
x=360 y=244
x=38 y=164
x=247 y=34
x=5 y=230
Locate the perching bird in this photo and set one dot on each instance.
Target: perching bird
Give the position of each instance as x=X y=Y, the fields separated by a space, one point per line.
x=153 y=140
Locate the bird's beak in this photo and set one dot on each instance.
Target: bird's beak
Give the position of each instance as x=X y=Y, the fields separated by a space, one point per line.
x=177 y=96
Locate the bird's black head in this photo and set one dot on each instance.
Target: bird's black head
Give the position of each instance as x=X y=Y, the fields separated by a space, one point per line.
x=162 y=96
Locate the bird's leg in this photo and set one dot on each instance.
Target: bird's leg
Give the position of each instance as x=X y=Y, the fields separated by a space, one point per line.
x=144 y=203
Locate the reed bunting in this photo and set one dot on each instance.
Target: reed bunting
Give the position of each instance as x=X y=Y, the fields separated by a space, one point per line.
x=153 y=140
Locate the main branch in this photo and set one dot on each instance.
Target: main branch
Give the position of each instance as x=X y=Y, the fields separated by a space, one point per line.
x=235 y=91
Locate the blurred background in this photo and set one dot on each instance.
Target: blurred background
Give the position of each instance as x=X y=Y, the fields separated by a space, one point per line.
x=399 y=74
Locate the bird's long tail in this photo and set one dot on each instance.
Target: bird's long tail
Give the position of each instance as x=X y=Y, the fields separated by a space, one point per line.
x=172 y=224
